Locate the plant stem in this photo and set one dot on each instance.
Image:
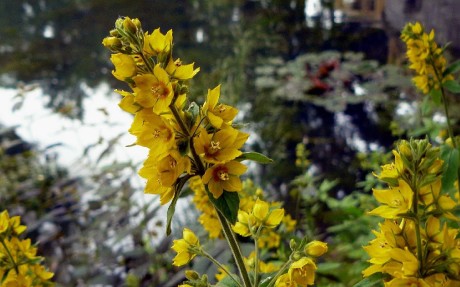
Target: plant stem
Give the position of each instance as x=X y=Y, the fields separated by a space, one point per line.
x=256 y=259
x=209 y=256
x=235 y=248
x=418 y=236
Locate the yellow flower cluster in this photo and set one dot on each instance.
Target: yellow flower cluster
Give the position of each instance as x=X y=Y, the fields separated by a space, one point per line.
x=302 y=270
x=19 y=263
x=415 y=244
x=183 y=140
x=425 y=58
x=249 y=195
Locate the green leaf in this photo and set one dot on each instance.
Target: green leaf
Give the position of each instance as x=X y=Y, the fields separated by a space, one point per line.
x=450 y=157
x=453 y=86
x=436 y=96
x=453 y=68
x=375 y=279
x=172 y=207
x=228 y=203
x=254 y=156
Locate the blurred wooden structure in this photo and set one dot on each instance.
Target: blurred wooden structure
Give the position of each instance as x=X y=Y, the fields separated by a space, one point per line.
x=365 y=11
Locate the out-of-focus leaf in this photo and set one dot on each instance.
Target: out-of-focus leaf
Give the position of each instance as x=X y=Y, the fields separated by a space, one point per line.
x=172 y=207
x=453 y=86
x=373 y=280
x=450 y=157
x=452 y=69
x=436 y=96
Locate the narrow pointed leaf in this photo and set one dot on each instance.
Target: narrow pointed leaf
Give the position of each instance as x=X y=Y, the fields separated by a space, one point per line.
x=254 y=156
x=371 y=281
x=452 y=69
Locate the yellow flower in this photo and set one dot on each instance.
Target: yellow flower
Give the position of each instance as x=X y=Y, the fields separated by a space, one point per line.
x=125 y=66
x=410 y=282
x=245 y=221
x=154 y=90
x=316 y=248
x=4 y=221
x=128 y=102
x=157 y=42
x=153 y=132
x=396 y=200
x=269 y=239
x=408 y=260
x=179 y=71
x=224 y=176
x=265 y=216
x=161 y=174
x=185 y=247
x=302 y=271
x=218 y=114
x=221 y=146
x=289 y=223
x=285 y=281
x=211 y=224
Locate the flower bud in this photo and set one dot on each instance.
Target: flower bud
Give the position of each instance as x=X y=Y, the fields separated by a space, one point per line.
x=316 y=248
x=292 y=244
x=111 y=42
x=192 y=275
x=129 y=26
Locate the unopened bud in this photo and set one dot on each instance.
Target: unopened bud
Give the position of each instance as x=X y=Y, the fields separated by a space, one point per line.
x=111 y=42
x=316 y=248
x=192 y=275
x=129 y=25
x=137 y=23
x=292 y=244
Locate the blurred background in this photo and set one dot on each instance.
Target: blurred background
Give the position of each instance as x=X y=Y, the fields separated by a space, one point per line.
x=321 y=84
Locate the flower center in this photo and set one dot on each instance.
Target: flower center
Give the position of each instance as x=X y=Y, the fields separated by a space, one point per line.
x=172 y=163
x=160 y=91
x=215 y=146
x=221 y=108
x=156 y=133
x=396 y=202
x=222 y=175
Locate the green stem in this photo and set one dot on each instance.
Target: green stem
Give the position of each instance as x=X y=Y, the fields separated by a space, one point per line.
x=256 y=259
x=9 y=255
x=418 y=236
x=213 y=260
x=235 y=248
x=280 y=272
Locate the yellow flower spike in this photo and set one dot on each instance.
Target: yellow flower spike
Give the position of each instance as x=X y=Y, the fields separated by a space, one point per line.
x=218 y=114
x=285 y=281
x=154 y=91
x=316 y=248
x=184 y=247
x=396 y=200
x=224 y=176
x=302 y=271
x=128 y=102
x=179 y=71
x=219 y=147
x=211 y=224
x=125 y=66
x=157 y=42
